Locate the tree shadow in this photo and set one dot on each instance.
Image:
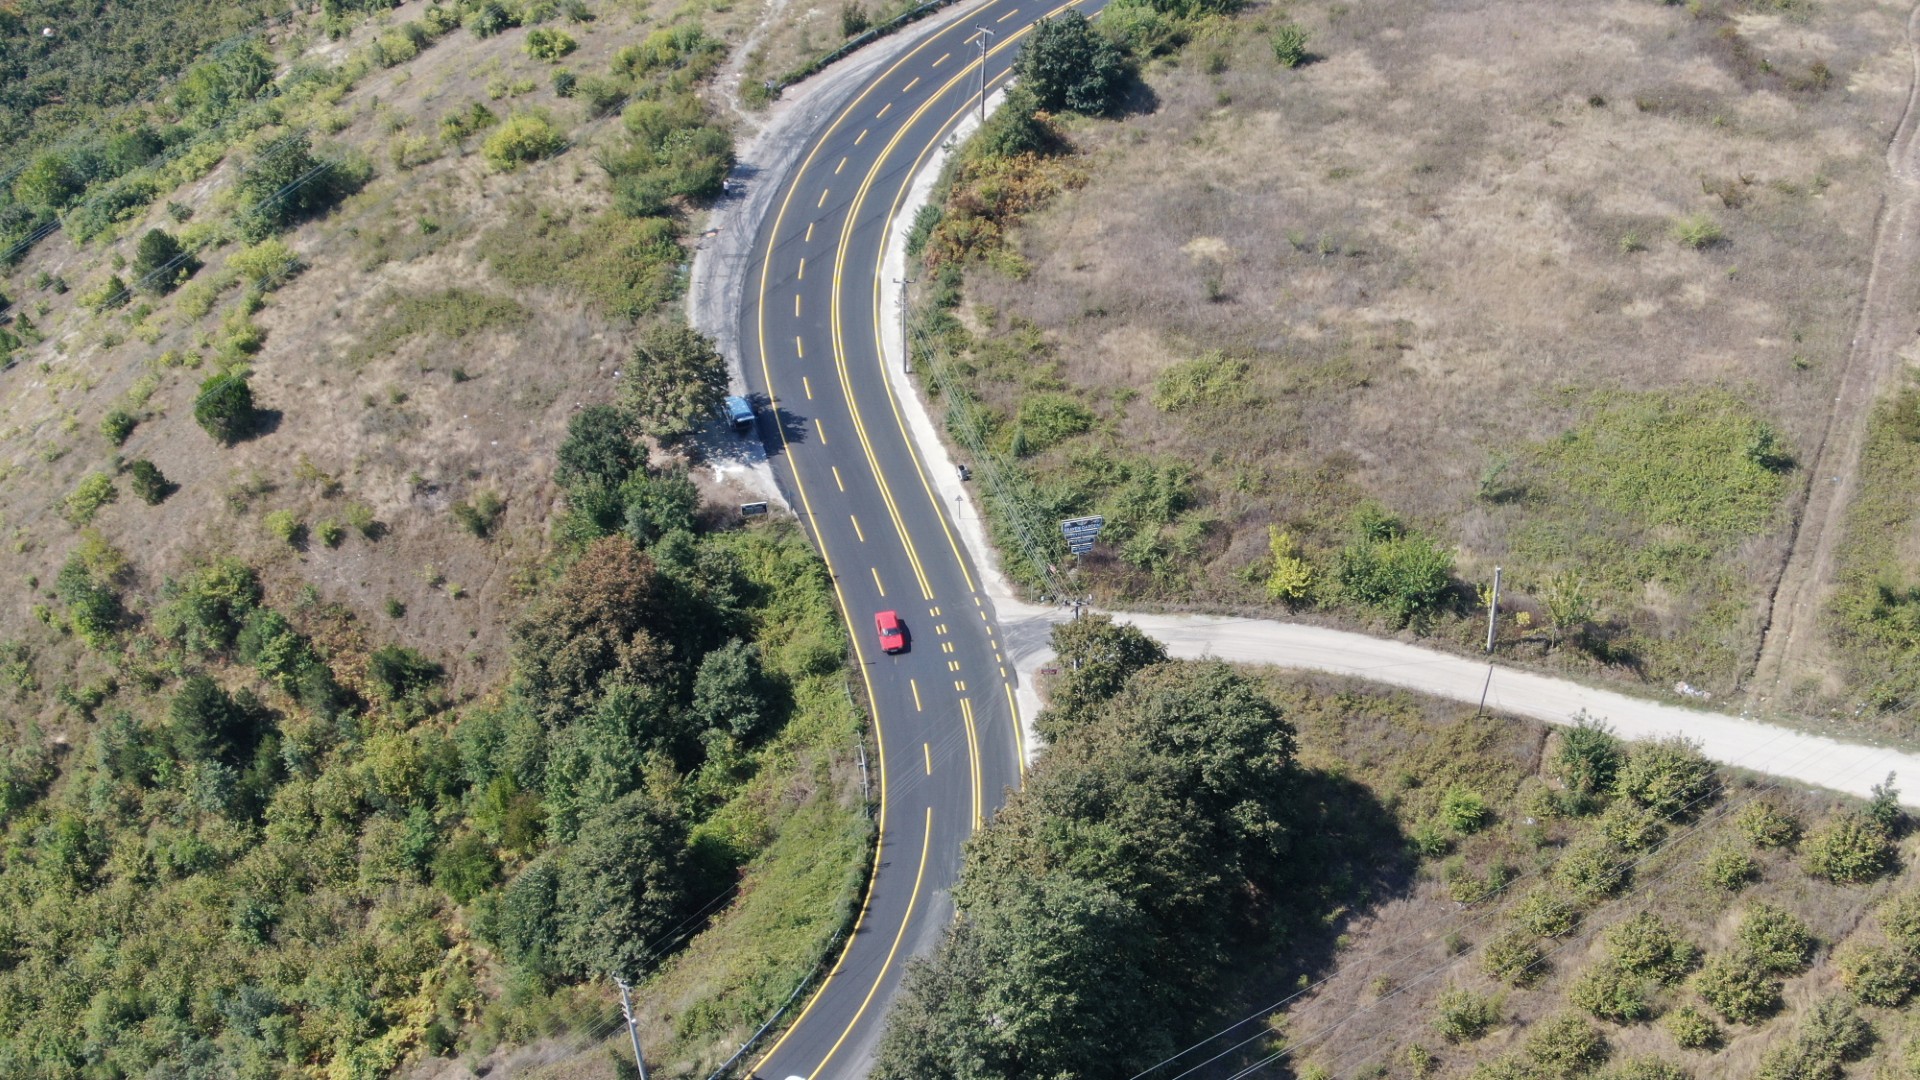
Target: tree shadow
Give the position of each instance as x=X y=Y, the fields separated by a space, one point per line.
x=1136 y=99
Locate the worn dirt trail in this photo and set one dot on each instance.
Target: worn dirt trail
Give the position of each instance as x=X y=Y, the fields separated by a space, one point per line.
x=1792 y=646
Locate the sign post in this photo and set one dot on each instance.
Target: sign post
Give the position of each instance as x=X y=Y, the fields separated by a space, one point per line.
x=1081 y=532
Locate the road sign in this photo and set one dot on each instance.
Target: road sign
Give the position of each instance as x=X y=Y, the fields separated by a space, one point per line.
x=1081 y=532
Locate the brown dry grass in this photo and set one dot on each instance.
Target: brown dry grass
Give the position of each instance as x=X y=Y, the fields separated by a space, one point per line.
x=1450 y=218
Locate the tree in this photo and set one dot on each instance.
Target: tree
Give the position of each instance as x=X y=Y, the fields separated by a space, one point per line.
x=520 y=921
x=599 y=450
x=1851 y=849
x=601 y=616
x=1778 y=940
x=224 y=407
x=730 y=691
x=157 y=262
x=1736 y=986
x=284 y=184
x=656 y=504
x=677 y=380
x=397 y=672
x=1589 y=760
x=1066 y=65
x=149 y=482
x=1646 y=945
x=624 y=884
x=523 y=138
x=1668 y=776
x=1096 y=657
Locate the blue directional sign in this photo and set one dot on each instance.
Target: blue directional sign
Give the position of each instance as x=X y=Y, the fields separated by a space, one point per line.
x=1081 y=532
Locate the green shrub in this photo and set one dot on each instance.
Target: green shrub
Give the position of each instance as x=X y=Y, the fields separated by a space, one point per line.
x=360 y=517
x=1646 y=1068
x=1547 y=912
x=1563 y=1046
x=1877 y=974
x=1203 y=384
x=110 y=293
x=1431 y=839
x=1290 y=46
x=1468 y=888
x=1831 y=1035
x=148 y=482
x=266 y=265
x=1402 y=574
x=329 y=533
x=465 y=867
x=1047 y=419
x=1900 y=918
x=1646 y=945
x=224 y=407
x=1588 y=761
x=1777 y=940
x=1668 y=776
x=490 y=18
x=284 y=526
x=1065 y=64
x=524 y=137
x=549 y=45
x=1631 y=827
x=94 y=491
x=1591 y=869
x=1696 y=231
x=1767 y=826
x=157 y=262
x=480 y=516
x=1462 y=1015
x=1728 y=868
x=1464 y=811
x=1514 y=957
x=117 y=425
x=1610 y=991
x=1735 y=985
x=1851 y=849
x=1692 y=1029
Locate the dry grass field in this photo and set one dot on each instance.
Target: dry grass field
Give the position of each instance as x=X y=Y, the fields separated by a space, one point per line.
x=1564 y=286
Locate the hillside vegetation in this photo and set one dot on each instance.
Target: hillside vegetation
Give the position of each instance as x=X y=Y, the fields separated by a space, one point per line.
x=381 y=672
x=1329 y=310
x=1365 y=883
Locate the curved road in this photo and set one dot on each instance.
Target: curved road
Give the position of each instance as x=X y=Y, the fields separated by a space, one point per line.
x=809 y=341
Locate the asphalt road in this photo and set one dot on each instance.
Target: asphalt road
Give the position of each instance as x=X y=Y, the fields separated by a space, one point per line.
x=944 y=711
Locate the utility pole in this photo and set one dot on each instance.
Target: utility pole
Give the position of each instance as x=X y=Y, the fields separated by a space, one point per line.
x=626 y=1010
x=1493 y=608
x=984 y=34
x=906 y=344
x=866 y=795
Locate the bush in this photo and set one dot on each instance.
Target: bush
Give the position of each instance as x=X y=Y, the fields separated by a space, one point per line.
x=1546 y=912
x=1692 y=1029
x=284 y=526
x=1900 y=918
x=1646 y=945
x=360 y=517
x=1851 y=849
x=480 y=516
x=224 y=408
x=1696 y=231
x=1514 y=957
x=1646 y=1068
x=329 y=533
x=1778 y=941
x=148 y=482
x=1611 y=992
x=1832 y=1035
x=157 y=261
x=1589 y=759
x=110 y=293
x=1728 y=868
x=1877 y=974
x=549 y=45
x=1735 y=985
x=1464 y=811
x=1591 y=869
x=677 y=380
x=1067 y=65
x=398 y=673
x=1668 y=776
x=523 y=138
x=1630 y=827
x=1463 y=1016
x=489 y=19
x=266 y=265
x=1402 y=574
x=1766 y=826
x=94 y=491
x=1290 y=46
x=117 y=425
x=1564 y=1046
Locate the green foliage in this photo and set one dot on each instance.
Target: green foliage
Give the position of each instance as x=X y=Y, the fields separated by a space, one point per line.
x=1775 y=938
x=1066 y=65
x=1015 y=128
x=676 y=381
x=1630 y=827
x=1735 y=985
x=1588 y=761
x=549 y=45
x=524 y=137
x=599 y=451
x=1766 y=825
x=1563 y=1046
x=628 y=267
x=675 y=149
x=1877 y=974
x=1464 y=810
x=731 y=692
x=1696 y=231
x=148 y=482
x=1290 y=46
x=624 y=883
x=1097 y=657
x=329 y=533
x=1729 y=868
x=1647 y=946
x=1046 y=419
x=88 y=587
x=1514 y=957
x=1611 y=991
x=1900 y=918
x=1850 y=849
x=1668 y=776
x=1462 y=1016
x=1875 y=614
x=465 y=867
x=1132 y=841
x=284 y=184
x=265 y=266
x=1400 y=573
x=1547 y=912
x=1209 y=384
x=224 y=407
x=117 y=425
x=204 y=609
x=398 y=673
x=87 y=497
x=454 y=314
x=157 y=262
x=1646 y=1068
x=1831 y=1035
x=481 y=515
x=1692 y=1029
x=1591 y=870
x=490 y=18
x=1289 y=577
x=111 y=293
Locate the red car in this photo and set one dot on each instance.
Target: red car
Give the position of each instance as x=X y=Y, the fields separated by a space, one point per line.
x=893 y=634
